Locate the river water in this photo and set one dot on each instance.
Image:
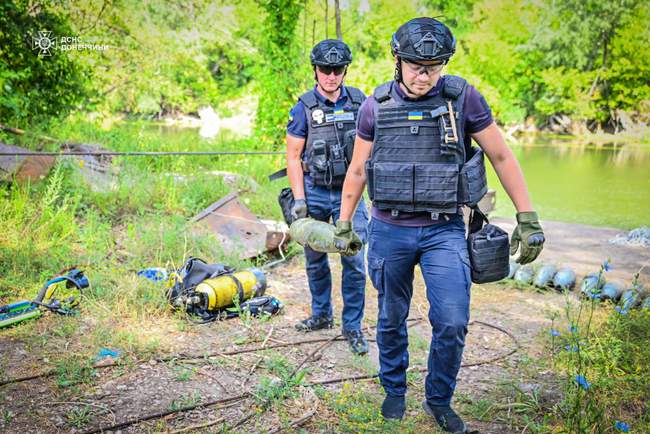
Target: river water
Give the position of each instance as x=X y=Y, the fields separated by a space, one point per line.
x=574 y=182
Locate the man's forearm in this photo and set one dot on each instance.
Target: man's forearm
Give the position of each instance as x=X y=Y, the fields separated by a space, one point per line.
x=512 y=179
x=295 y=175
x=352 y=190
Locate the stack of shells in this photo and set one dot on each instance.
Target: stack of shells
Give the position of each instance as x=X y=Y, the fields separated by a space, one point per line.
x=593 y=285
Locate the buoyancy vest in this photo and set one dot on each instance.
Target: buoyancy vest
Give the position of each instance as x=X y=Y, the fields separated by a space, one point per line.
x=418 y=160
x=330 y=137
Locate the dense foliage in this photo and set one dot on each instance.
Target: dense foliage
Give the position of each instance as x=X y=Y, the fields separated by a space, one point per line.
x=583 y=59
x=34 y=87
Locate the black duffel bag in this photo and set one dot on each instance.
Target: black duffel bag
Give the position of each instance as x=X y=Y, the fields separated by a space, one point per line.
x=489 y=249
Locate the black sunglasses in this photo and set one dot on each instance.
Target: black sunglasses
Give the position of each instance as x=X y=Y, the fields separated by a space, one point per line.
x=327 y=70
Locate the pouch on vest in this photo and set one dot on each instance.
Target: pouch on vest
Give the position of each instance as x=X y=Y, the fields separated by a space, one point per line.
x=489 y=249
x=348 y=142
x=472 y=179
x=285 y=199
x=327 y=163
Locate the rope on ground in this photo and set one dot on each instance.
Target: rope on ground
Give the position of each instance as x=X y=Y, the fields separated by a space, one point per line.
x=296 y=422
x=328 y=341
x=267 y=401
x=179 y=357
x=166 y=413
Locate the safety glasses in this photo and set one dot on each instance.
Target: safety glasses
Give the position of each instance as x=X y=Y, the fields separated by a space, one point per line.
x=327 y=70
x=418 y=68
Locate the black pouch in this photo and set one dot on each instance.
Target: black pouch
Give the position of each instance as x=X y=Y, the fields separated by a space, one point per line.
x=285 y=199
x=489 y=249
x=348 y=143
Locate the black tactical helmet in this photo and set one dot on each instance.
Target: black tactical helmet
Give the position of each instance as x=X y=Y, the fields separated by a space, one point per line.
x=423 y=39
x=331 y=52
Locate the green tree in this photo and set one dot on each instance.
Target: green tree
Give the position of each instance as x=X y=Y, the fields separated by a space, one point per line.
x=576 y=38
x=36 y=84
x=278 y=73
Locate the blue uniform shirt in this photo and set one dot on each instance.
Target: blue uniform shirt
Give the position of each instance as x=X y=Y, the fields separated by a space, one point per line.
x=297 y=125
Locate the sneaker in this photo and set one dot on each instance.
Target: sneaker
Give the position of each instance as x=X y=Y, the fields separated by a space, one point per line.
x=446 y=417
x=315 y=323
x=358 y=343
x=393 y=407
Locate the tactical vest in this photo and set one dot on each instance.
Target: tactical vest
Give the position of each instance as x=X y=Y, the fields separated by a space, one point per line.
x=330 y=137
x=418 y=160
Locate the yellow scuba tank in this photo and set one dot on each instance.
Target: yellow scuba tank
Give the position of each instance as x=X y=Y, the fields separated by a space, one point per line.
x=219 y=292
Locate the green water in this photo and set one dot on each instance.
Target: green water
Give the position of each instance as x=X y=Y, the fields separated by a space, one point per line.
x=601 y=186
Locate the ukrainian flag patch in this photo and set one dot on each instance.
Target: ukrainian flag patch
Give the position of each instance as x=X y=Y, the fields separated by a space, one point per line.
x=415 y=116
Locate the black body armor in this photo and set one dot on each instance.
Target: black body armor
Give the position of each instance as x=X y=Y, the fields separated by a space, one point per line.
x=330 y=137
x=418 y=161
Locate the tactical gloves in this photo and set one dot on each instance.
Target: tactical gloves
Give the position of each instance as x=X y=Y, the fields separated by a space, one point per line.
x=346 y=240
x=529 y=234
x=299 y=209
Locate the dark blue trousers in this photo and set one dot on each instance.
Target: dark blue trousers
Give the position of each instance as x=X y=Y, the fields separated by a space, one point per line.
x=441 y=252
x=325 y=204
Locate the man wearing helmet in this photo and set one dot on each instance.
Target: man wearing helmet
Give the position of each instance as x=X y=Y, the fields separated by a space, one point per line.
x=320 y=138
x=413 y=148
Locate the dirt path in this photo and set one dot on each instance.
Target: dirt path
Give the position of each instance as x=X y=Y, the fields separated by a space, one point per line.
x=146 y=386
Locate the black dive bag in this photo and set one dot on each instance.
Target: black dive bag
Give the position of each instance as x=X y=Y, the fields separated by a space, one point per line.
x=489 y=249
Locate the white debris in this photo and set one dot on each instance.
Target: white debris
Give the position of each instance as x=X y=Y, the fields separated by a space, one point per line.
x=639 y=237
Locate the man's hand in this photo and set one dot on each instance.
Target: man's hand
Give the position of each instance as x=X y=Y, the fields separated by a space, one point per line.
x=529 y=234
x=346 y=240
x=299 y=209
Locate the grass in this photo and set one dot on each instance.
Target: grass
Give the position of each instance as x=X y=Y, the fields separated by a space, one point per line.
x=73 y=370
x=185 y=401
x=61 y=222
x=78 y=417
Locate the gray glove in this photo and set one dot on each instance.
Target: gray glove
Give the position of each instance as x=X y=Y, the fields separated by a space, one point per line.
x=299 y=209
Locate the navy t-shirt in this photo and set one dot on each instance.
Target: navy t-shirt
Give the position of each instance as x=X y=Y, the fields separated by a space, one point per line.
x=478 y=116
x=297 y=125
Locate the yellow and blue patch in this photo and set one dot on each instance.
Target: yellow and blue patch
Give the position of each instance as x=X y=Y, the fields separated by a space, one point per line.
x=415 y=116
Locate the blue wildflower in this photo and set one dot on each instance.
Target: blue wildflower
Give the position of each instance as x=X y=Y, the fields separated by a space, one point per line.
x=555 y=332
x=622 y=426
x=582 y=382
x=572 y=348
x=620 y=310
x=607 y=265
x=573 y=329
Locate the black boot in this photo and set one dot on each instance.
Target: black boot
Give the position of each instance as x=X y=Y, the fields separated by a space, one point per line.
x=393 y=407
x=446 y=417
x=315 y=323
x=358 y=343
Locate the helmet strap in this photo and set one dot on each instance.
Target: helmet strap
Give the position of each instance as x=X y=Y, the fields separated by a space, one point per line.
x=398 y=70
x=398 y=74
